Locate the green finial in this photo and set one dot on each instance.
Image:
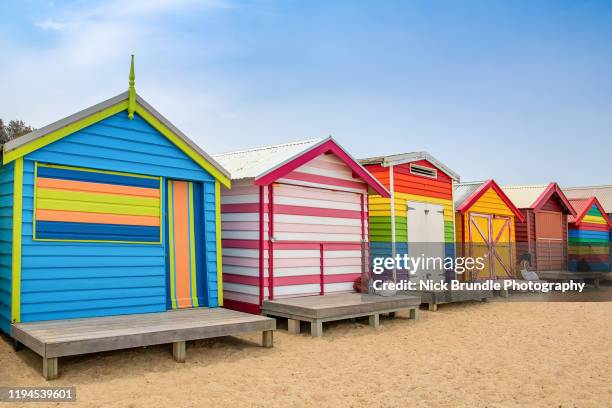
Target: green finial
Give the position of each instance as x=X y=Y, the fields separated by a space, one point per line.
x=132 y=91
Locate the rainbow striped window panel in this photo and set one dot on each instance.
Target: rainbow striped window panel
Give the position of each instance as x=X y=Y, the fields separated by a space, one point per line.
x=75 y=204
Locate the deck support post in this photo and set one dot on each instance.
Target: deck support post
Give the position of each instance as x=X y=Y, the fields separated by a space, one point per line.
x=293 y=326
x=179 y=351
x=374 y=320
x=316 y=328
x=596 y=283
x=433 y=307
x=267 y=338
x=50 y=368
x=414 y=314
x=391 y=315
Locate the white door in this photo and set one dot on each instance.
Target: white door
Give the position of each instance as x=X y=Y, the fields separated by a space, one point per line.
x=425 y=223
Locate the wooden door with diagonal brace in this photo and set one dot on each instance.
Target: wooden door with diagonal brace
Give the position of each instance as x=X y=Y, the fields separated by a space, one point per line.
x=491 y=238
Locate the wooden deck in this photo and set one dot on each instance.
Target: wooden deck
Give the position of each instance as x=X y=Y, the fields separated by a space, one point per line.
x=594 y=277
x=434 y=298
x=57 y=338
x=320 y=309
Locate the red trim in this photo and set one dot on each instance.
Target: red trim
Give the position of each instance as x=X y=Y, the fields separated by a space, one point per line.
x=585 y=210
x=328 y=146
x=589 y=226
x=241 y=306
x=261 y=244
x=241 y=208
x=290 y=210
x=291 y=280
x=329 y=246
x=547 y=193
x=472 y=199
x=284 y=245
x=322 y=269
x=241 y=243
x=240 y=279
x=329 y=181
x=270 y=241
x=315 y=211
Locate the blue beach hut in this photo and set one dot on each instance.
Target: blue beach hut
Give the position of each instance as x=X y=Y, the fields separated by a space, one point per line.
x=110 y=211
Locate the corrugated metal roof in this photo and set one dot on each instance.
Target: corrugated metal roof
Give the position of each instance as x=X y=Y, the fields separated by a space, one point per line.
x=251 y=163
x=402 y=158
x=463 y=191
x=603 y=194
x=579 y=205
x=524 y=196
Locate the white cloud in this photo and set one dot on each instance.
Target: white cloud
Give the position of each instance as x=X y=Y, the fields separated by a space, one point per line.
x=86 y=60
x=51 y=24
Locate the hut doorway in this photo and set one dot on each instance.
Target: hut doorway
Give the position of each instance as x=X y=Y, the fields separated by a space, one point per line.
x=184 y=240
x=491 y=238
x=549 y=240
x=425 y=225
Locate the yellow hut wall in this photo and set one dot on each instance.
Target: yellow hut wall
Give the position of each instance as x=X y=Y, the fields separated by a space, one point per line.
x=490 y=203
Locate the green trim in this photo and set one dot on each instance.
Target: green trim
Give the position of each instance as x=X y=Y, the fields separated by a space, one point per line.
x=17 y=230
x=34 y=203
x=63 y=132
x=103 y=114
x=171 y=244
x=218 y=238
x=131 y=91
x=182 y=145
x=192 y=251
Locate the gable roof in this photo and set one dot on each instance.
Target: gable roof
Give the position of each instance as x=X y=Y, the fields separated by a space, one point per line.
x=535 y=196
x=466 y=194
x=582 y=207
x=44 y=136
x=603 y=194
x=403 y=158
x=269 y=163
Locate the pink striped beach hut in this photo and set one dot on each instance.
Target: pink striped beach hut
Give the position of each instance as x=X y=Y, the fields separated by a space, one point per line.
x=295 y=222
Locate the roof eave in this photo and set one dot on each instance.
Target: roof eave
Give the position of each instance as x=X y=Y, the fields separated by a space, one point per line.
x=475 y=196
x=68 y=120
x=551 y=189
x=585 y=210
x=279 y=170
x=396 y=159
x=54 y=127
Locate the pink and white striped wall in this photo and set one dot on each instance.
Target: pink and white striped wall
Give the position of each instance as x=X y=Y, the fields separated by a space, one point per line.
x=304 y=234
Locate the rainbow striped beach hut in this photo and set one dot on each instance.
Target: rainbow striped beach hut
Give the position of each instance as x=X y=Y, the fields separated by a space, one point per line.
x=109 y=211
x=589 y=236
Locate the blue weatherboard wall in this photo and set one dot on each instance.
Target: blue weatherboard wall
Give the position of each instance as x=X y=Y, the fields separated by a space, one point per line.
x=66 y=280
x=6 y=225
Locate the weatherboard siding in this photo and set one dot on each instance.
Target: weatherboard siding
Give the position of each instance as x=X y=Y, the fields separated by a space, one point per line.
x=407 y=187
x=526 y=236
x=77 y=279
x=240 y=233
x=6 y=240
x=120 y=144
x=589 y=243
x=490 y=203
x=318 y=203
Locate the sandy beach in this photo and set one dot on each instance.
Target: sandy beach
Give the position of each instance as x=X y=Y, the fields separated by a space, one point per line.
x=474 y=354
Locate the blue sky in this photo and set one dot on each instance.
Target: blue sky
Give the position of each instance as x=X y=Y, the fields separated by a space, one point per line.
x=519 y=91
